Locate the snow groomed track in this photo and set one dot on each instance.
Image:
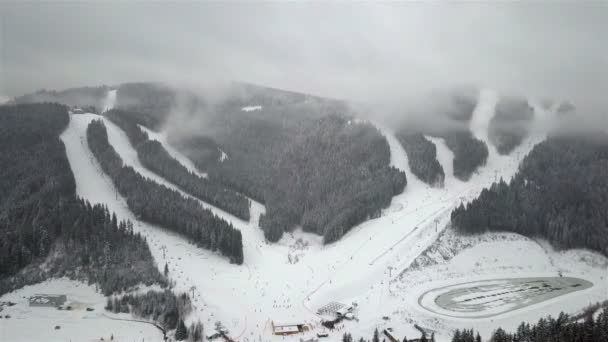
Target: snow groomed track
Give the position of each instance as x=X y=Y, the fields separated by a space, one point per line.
x=483 y=299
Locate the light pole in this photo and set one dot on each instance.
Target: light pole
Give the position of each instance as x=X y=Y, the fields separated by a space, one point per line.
x=164 y=249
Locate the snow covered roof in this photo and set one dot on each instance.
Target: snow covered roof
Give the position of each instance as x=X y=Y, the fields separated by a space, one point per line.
x=286 y=324
x=286 y=329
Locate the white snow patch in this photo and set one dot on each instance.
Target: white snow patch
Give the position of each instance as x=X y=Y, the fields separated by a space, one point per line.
x=110 y=100
x=223 y=156
x=251 y=108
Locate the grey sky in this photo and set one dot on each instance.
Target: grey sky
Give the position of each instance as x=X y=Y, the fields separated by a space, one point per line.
x=367 y=52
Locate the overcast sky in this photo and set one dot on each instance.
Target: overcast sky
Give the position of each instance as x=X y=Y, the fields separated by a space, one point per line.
x=354 y=51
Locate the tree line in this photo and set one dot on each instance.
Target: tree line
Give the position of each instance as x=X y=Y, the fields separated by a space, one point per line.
x=422 y=158
x=559 y=194
x=470 y=153
x=550 y=329
x=155 y=157
x=157 y=204
x=40 y=214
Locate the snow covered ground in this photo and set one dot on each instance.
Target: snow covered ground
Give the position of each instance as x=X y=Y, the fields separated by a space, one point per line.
x=28 y=323
x=290 y=280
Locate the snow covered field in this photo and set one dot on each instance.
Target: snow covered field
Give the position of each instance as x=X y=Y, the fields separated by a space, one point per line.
x=292 y=279
x=27 y=323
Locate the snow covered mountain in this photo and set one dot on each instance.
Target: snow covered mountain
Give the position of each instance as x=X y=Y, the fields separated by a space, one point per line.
x=405 y=269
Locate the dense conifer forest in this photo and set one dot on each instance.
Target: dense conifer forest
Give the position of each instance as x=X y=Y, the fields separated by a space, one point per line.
x=550 y=329
x=558 y=194
x=334 y=177
x=160 y=205
x=40 y=214
x=164 y=307
x=422 y=158
x=299 y=155
x=156 y=158
x=470 y=153
x=510 y=124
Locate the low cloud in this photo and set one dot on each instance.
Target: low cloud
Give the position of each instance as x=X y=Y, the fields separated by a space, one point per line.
x=390 y=55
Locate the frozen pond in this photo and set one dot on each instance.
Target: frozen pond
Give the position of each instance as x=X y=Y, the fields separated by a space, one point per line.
x=482 y=299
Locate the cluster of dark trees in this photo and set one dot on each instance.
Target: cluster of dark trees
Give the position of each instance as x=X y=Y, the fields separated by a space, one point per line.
x=347 y=337
x=164 y=307
x=558 y=194
x=560 y=329
x=334 y=177
x=422 y=158
x=156 y=158
x=203 y=151
x=510 y=123
x=40 y=214
x=469 y=153
x=160 y=205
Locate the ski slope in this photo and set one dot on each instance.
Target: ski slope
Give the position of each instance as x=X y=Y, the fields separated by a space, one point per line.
x=256 y=208
x=293 y=278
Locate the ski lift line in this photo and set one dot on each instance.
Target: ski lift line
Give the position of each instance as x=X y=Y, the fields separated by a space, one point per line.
x=460 y=194
x=433 y=214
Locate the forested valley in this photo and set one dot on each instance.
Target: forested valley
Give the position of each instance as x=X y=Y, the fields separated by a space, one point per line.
x=42 y=220
x=156 y=158
x=157 y=204
x=559 y=194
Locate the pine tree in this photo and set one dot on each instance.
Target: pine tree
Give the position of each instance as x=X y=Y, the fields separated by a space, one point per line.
x=478 y=338
x=181 y=333
x=404 y=338
x=376 y=336
x=166 y=270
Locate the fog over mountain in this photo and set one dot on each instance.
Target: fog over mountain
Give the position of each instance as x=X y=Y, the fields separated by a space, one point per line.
x=380 y=54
